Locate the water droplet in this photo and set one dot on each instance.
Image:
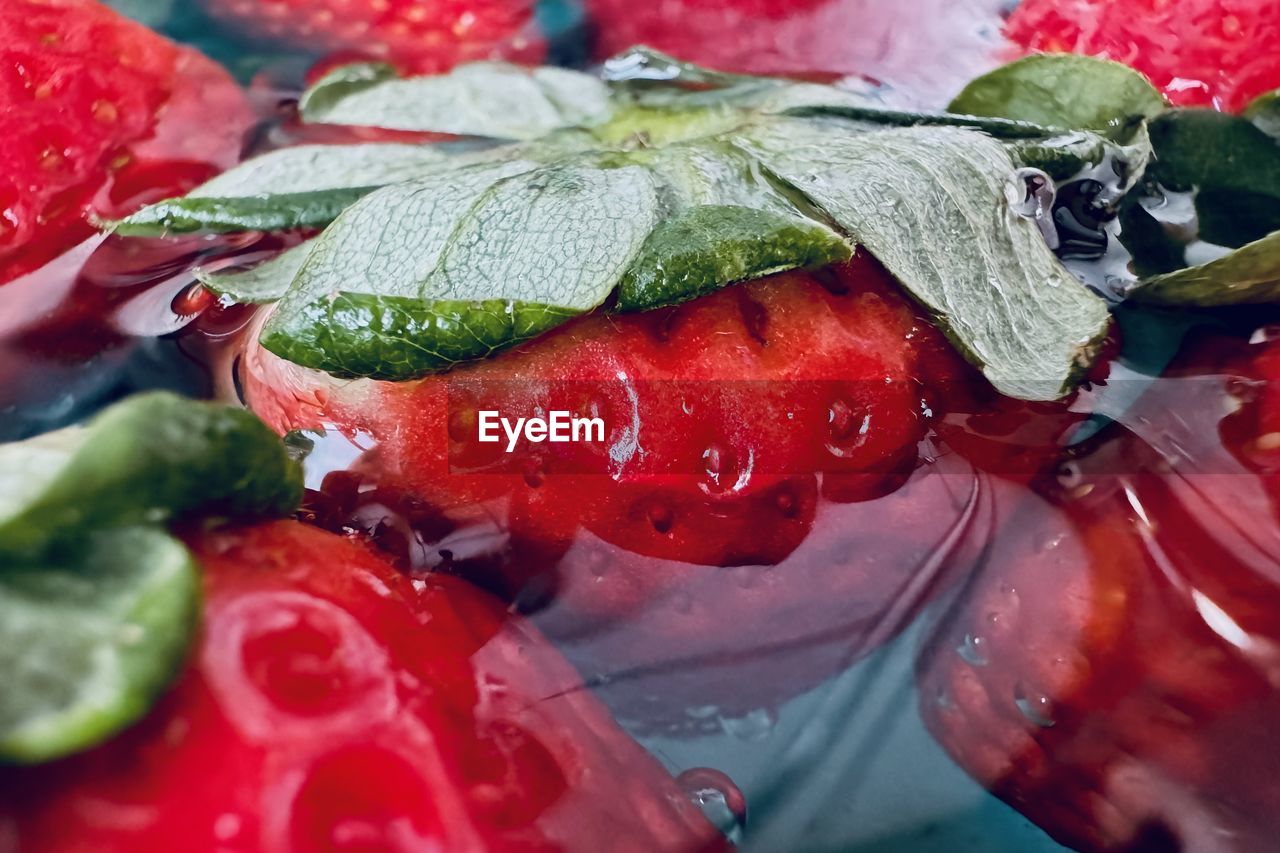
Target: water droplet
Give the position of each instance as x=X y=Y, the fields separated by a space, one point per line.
x=192 y=300
x=721 y=801
x=753 y=727
x=721 y=469
x=973 y=650
x=1034 y=705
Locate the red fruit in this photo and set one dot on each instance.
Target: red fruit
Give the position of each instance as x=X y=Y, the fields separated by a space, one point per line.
x=332 y=704
x=418 y=36
x=1200 y=52
x=925 y=47
x=772 y=424
x=1111 y=672
x=99 y=116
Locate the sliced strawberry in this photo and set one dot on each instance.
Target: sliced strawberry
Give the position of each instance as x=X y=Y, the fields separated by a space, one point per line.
x=925 y=47
x=418 y=36
x=99 y=116
x=335 y=704
x=1111 y=671
x=1200 y=52
x=756 y=427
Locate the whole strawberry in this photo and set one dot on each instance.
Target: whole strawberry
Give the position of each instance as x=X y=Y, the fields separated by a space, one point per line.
x=334 y=704
x=418 y=36
x=760 y=466
x=1110 y=672
x=924 y=47
x=1200 y=52
x=100 y=116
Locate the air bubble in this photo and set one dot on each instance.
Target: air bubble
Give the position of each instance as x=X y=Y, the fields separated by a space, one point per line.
x=1034 y=705
x=721 y=801
x=973 y=650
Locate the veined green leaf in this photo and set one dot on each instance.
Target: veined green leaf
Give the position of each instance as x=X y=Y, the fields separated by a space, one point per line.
x=1247 y=276
x=423 y=275
x=489 y=99
x=315 y=168
x=90 y=638
x=707 y=247
x=1062 y=90
x=933 y=205
x=259 y=285
x=246 y=213
x=148 y=459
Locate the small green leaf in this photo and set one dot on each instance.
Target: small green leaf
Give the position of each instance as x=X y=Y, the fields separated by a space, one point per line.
x=1233 y=167
x=315 y=168
x=246 y=213
x=148 y=459
x=1264 y=112
x=709 y=247
x=933 y=205
x=490 y=99
x=1065 y=157
x=343 y=82
x=259 y=285
x=90 y=639
x=1247 y=276
x=1062 y=90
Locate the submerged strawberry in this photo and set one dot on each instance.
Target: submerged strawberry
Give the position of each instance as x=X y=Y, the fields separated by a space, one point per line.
x=100 y=116
x=418 y=36
x=335 y=704
x=756 y=447
x=1111 y=670
x=1200 y=52
x=895 y=43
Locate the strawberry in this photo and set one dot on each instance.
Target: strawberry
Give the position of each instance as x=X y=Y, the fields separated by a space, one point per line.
x=758 y=441
x=1111 y=670
x=920 y=46
x=1200 y=52
x=418 y=36
x=333 y=703
x=100 y=116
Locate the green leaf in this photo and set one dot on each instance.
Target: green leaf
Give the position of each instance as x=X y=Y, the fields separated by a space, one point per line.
x=711 y=246
x=247 y=213
x=1062 y=90
x=90 y=639
x=933 y=205
x=315 y=168
x=1247 y=276
x=151 y=458
x=422 y=275
x=1233 y=167
x=1264 y=112
x=343 y=82
x=1065 y=157
x=259 y=285
x=489 y=99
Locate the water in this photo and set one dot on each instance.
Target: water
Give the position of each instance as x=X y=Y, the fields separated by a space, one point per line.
x=889 y=634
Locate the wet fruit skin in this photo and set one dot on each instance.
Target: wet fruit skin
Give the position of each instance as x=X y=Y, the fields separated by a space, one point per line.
x=1216 y=53
x=418 y=36
x=1111 y=670
x=764 y=443
x=922 y=49
x=335 y=704
x=100 y=116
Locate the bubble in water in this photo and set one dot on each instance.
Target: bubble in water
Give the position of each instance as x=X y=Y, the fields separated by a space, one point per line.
x=973 y=650
x=1034 y=705
x=721 y=801
x=753 y=727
